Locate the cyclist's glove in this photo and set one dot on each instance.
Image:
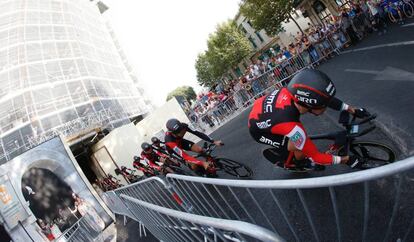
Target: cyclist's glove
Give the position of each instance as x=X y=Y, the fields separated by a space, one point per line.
x=361 y=113
x=355 y=162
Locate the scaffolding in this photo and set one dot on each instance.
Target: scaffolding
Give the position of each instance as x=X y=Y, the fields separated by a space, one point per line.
x=61 y=72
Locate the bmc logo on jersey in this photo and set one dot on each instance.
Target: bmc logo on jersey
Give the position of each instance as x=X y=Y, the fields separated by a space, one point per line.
x=269 y=141
x=306 y=99
x=269 y=101
x=264 y=124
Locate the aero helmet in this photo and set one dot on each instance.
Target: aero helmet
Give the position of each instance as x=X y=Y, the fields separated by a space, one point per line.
x=145 y=146
x=312 y=88
x=174 y=125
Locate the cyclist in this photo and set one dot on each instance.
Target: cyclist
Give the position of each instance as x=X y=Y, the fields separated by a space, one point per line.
x=127 y=173
x=275 y=119
x=141 y=167
x=151 y=156
x=158 y=144
x=175 y=143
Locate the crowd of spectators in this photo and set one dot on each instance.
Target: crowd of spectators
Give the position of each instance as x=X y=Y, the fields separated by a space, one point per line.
x=67 y=217
x=315 y=45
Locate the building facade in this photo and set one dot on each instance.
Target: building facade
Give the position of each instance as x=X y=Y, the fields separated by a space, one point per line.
x=322 y=10
x=261 y=42
x=62 y=72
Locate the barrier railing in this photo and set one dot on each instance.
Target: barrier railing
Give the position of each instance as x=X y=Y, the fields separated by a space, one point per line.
x=370 y=205
x=274 y=78
x=152 y=203
x=83 y=230
x=171 y=225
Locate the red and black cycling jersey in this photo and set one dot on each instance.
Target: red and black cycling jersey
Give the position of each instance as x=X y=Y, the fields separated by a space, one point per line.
x=152 y=157
x=275 y=118
x=177 y=145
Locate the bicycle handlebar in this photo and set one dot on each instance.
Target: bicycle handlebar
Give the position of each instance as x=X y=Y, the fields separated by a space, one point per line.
x=365 y=120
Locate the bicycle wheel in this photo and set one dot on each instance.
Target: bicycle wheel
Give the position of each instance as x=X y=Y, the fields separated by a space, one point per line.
x=408 y=10
x=391 y=17
x=234 y=168
x=375 y=154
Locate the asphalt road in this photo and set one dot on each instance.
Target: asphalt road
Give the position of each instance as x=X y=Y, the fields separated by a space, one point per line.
x=371 y=75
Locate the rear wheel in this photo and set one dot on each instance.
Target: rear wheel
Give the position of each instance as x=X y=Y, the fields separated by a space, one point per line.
x=408 y=10
x=374 y=154
x=233 y=168
x=391 y=17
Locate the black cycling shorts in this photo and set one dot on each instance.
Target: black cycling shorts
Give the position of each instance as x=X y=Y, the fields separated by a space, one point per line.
x=278 y=142
x=186 y=144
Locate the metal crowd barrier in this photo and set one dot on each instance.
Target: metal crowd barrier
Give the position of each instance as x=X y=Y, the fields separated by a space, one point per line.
x=274 y=79
x=370 y=205
x=172 y=225
x=83 y=230
x=152 y=203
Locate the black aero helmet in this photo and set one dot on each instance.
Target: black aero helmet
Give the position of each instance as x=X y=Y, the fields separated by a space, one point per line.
x=145 y=146
x=312 y=88
x=136 y=158
x=174 y=125
x=155 y=140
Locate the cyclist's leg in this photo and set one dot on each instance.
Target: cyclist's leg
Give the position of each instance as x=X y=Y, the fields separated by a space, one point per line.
x=192 y=161
x=278 y=142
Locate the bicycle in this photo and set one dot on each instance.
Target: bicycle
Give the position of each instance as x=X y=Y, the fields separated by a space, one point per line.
x=229 y=166
x=408 y=8
x=372 y=154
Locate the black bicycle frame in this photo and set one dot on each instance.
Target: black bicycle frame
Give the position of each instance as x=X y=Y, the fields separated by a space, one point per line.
x=349 y=136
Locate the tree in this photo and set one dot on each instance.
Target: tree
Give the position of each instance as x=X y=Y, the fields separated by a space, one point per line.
x=185 y=91
x=225 y=49
x=269 y=14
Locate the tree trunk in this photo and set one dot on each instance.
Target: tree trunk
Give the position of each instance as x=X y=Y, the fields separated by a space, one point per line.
x=293 y=19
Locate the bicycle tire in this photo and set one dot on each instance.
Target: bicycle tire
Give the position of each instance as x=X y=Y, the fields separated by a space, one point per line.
x=361 y=149
x=234 y=168
x=408 y=10
x=391 y=17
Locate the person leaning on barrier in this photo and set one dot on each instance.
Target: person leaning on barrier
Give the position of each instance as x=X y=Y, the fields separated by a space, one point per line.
x=275 y=119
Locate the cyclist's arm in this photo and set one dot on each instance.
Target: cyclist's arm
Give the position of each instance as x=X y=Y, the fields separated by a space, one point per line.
x=339 y=105
x=200 y=135
x=299 y=141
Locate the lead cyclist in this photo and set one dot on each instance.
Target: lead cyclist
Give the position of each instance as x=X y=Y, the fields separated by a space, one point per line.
x=275 y=119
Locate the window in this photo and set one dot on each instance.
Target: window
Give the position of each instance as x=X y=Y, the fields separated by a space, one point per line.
x=321 y=10
x=243 y=29
x=252 y=42
x=259 y=36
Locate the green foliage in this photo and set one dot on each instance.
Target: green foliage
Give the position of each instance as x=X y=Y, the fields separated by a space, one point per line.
x=185 y=91
x=267 y=14
x=225 y=49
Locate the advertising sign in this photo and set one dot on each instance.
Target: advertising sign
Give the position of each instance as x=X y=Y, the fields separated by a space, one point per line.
x=11 y=208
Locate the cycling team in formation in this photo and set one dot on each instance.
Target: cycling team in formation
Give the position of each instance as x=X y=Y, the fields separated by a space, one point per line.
x=274 y=120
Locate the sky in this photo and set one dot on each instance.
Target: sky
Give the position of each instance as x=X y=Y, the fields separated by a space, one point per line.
x=162 y=38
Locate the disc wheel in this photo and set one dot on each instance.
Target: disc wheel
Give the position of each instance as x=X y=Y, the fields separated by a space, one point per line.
x=374 y=154
x=234 y=168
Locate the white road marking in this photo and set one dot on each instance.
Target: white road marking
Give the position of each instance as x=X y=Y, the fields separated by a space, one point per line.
x=408 y=25
x=380 y=46
x=389 y=73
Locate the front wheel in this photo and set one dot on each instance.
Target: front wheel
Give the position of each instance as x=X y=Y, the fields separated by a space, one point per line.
x=234 y=168
x=408 y=10
x=374 y=154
